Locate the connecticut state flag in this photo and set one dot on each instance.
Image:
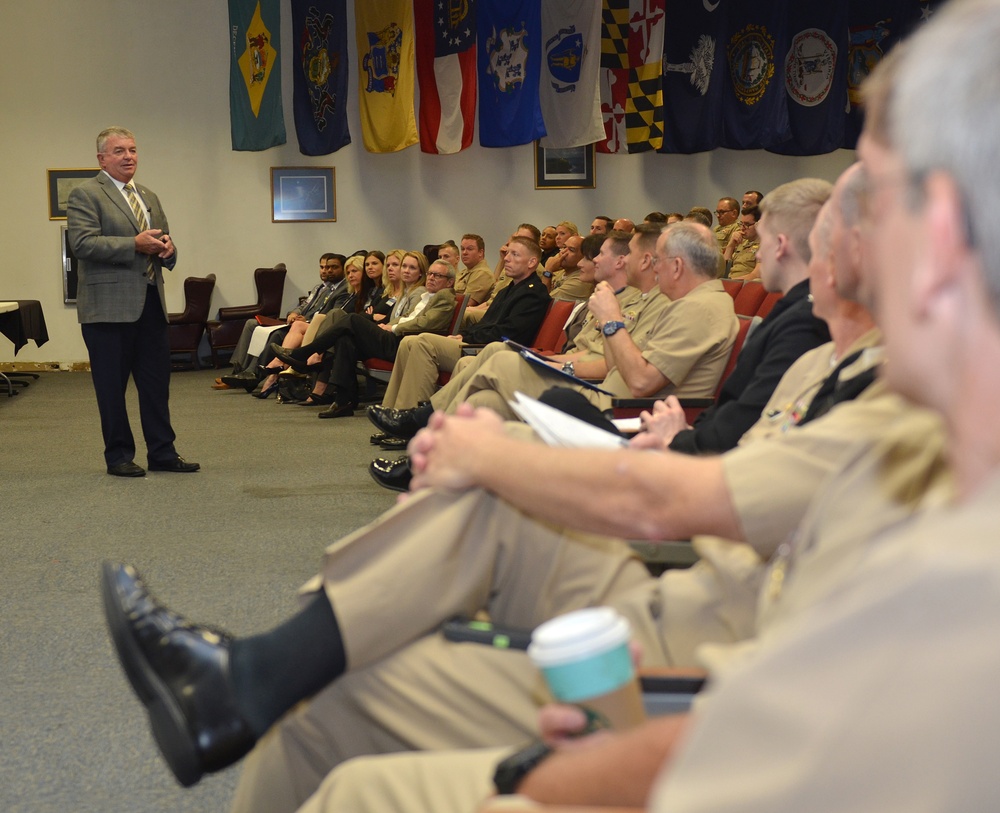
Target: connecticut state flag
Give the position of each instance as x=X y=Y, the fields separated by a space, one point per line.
x=510 y=63
x=319 y=70
x=446 y=73
x=255 y=113
x=570 y=91
x=386 y=81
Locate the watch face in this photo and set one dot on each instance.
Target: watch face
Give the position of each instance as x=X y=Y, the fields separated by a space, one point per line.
x=611 y=328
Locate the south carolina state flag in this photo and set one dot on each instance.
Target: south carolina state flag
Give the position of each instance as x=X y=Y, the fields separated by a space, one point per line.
x=446 y=71
x=384 y=32
x=510 y=63
x=256 y=118
x=320 y=75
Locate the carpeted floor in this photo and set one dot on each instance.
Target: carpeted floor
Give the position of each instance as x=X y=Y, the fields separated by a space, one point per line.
x=228 y=545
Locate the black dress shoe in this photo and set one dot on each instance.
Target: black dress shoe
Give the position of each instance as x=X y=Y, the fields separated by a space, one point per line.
x=248 y=380
x=377 y=438
x=336 y=410
x=178 y=464
x=181 y=674
x=401 y=423
x=390 y=444
x=392 y=474
x=128 y=469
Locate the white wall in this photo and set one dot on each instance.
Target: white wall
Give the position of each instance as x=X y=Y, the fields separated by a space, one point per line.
x=162 y=70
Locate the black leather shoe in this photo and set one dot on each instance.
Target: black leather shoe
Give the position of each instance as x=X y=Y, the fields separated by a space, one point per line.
x=248 y=380
x=401 y=423
x=288 y=357
x=390 y=444
x=336 y=410
x=392 y=474
x=180 y=672
x=178 y=464
x=128 y=469
x=377 y=438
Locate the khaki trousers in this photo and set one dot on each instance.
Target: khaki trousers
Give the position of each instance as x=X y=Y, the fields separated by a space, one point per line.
x=415 y=372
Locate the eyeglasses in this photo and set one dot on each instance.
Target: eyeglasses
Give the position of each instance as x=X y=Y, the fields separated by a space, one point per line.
x=436 y=275
x=724 y=211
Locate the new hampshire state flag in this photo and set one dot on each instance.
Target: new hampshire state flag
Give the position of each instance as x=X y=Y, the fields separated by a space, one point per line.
x=319 y=71
x=255 y=113
x=510 y=62
x=386 y=79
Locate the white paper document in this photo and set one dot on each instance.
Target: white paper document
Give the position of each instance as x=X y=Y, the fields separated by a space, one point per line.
x=557 y=428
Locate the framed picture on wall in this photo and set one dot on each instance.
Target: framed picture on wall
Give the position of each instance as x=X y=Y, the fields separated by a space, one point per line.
x=303 y=195
x=61 y=183
x=564 y=167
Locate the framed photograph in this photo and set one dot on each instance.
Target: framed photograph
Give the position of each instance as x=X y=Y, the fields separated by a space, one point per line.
x=70 y=274
x=61 y=183
x=303 y=195
x=564 y=167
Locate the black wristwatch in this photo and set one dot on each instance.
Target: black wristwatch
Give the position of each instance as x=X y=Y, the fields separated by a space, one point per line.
x=512 y=770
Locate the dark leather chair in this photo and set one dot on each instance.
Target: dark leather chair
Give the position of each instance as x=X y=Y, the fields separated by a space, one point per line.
x=185 y=329
x=224 y=332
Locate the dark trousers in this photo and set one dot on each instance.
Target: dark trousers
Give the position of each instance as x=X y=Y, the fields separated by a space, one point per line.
x=362 y=339
x=141 y=350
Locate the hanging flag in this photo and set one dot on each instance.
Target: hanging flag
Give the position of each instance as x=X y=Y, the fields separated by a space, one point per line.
x=446 y=71
x=320 y=75
x=386 y=77
x=510 y=63
x=755 y=105
x=814 y=75
x=874 y=27
x=570 y=92
x=256 y=118
x=631 y=75
x=694 y=76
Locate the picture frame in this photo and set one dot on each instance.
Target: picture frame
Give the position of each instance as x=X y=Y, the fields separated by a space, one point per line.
x=303 y=195
x=70 y=271
x=565 y=167
x=60 y=183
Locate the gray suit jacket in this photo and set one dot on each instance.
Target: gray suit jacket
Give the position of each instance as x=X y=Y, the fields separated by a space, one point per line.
x=101 y=230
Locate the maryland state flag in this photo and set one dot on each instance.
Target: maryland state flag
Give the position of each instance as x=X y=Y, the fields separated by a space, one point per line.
x=255 y=113
x=319 y=72
x=694 y=77
x=814 y=74
x=446 y=71
x=755 y=105
x=570 y=91
x=510 y=64
x=874 y=27
x=386 y=77
x=631 y=75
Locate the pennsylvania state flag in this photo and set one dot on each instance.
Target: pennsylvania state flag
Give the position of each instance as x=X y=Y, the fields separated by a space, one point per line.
x=319 y=71
x=386 y=79
x=255 y=113
x=510 y=66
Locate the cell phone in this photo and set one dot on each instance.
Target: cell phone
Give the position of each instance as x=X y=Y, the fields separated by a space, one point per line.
x=483 y=632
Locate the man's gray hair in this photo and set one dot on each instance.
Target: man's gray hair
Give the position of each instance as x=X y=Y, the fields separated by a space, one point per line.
x=447 y=266
x=791 y=210
x=696 y=244
x=944 y=115
x=110 y=132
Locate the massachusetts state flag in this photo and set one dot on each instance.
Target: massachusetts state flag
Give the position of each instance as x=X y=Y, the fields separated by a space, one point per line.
x=256 y=118
x=384 y=33
x=446 y=71
x=694 y=77
x=570 y=91
x=631 y=75
x=509 y=61
x=319 y=72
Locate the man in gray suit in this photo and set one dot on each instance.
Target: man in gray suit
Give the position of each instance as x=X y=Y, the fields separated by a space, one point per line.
x=119 y=233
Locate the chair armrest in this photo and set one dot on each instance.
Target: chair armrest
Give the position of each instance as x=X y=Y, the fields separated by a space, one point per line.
x=647 y=403
x=238 y=312
x=672 y=680
x=268 y=321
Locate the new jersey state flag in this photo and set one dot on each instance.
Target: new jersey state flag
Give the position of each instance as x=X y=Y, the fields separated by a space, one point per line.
x=510 y=62
x=256 y=118
x=694 y=76
x=446 y=72
x=631 y=75
x=320 y=75
x=384 y=32
x=570 y=91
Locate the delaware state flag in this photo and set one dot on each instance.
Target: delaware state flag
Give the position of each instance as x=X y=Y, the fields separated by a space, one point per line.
x=384 y=33
x=256 y=118
x=510 y=62
x=446 y=72
x=319 y=72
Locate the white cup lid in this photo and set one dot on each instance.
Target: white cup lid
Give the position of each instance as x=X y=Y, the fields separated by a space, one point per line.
x=578 y=635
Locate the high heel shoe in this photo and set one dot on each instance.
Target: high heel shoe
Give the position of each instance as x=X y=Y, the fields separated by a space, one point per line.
x=297 y=364
x=264 y=393
x=317 y=399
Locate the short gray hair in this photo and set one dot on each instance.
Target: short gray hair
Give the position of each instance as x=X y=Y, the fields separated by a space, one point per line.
x=791 y=210
x=447 y=266
x=111 y=132
x=697 y=246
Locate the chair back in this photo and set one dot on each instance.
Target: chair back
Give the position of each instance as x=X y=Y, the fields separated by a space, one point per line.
x=732 y=286
x=749 y=298
x=461 y=303
x=270 y=284
x=185 y=329
x=769 y=302
x=550 y=333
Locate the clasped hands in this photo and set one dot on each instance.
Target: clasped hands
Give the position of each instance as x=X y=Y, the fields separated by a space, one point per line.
x=155 y=241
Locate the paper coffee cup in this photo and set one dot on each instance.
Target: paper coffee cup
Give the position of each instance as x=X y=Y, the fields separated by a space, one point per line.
x=585 y=658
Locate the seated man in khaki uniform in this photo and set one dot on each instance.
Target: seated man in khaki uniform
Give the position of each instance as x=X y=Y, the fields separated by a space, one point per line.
x=741 y=251
x=727 y=214
x=475 y=280
x=566 y=283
